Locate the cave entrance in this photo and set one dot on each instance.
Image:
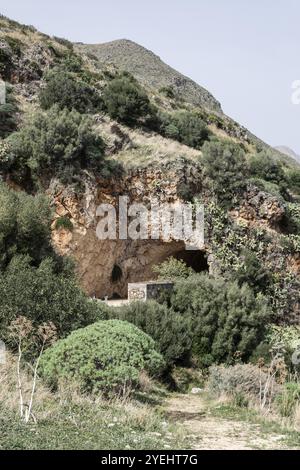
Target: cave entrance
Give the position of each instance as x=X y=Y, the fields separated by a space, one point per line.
x=195 y=259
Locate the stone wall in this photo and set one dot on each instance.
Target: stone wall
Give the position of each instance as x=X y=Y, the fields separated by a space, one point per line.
x=143 y=291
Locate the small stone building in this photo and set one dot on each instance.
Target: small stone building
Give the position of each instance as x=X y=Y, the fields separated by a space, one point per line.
x=147 y=290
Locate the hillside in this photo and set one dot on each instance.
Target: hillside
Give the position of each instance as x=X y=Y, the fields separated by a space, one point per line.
x=289 y=152
x=82 y=126
x=150 y=70
x=153 y=73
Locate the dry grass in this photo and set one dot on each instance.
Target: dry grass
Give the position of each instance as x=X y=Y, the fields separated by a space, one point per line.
x=271 y=415
x=297 y=418
x=9 y=394
x=28 y=37
x=47 y=402
x=145 y=147
x=69 y=419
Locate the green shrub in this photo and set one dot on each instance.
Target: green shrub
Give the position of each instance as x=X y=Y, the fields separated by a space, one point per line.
x=43 y=294
x=15 y=44
x=285 y=340
x=6 y=63
x=226 y=318
x=64 y=223
x=267 y=186
x=167 y=91
x=64 y=42
x=264 y=166
x=125 y=100
x=34 y=281
x=63 y=89
x=290 y=243
x=252 y=272
x=186 y=192
x=288 y=399
x=107 y=356
x=292 y=218
x=171 y=131
x=226 y=167
x=57 y=143
x=187 y=127
x=8 y=114
x=173 y=269
x=24 y=226
x=170 y=331
x=293 y=180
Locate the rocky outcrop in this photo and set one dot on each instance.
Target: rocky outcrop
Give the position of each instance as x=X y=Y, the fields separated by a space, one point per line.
x=106 y=266
x=261 y=208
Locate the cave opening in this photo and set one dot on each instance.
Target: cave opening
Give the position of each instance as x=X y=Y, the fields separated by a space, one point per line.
x=116 y=274
x=195 y=259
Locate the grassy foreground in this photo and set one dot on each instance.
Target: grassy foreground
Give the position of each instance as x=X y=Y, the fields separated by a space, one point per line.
x=68 y=419
x=90 y=426
x=151 y=419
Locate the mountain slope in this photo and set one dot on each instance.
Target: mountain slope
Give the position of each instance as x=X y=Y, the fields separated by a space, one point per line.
x=289 y=152
x=153 y=73
x=150 y=70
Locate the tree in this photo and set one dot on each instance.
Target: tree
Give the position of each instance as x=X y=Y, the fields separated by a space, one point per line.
x=226 y=318
x=44 y=294
x=226 y=167
x=63 y=89
x=25 y=222
x=170 y=331
x=264 y=166
x=125 y=100
x=58 y=142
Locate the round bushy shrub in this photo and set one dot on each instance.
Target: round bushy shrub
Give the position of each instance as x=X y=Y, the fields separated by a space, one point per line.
x=173 y=269
x=125 y=100
x=170 y=331
x=187 y=127
x=107 y=357
x=264 y=166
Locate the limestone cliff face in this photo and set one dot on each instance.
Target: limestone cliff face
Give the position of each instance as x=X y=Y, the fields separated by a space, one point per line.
x=260 y=209
x=106 y=266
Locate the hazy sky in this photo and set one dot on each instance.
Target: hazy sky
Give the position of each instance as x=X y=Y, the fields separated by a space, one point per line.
x=246 y=52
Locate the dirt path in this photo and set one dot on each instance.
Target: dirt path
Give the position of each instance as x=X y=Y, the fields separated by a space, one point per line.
x=205 y=431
